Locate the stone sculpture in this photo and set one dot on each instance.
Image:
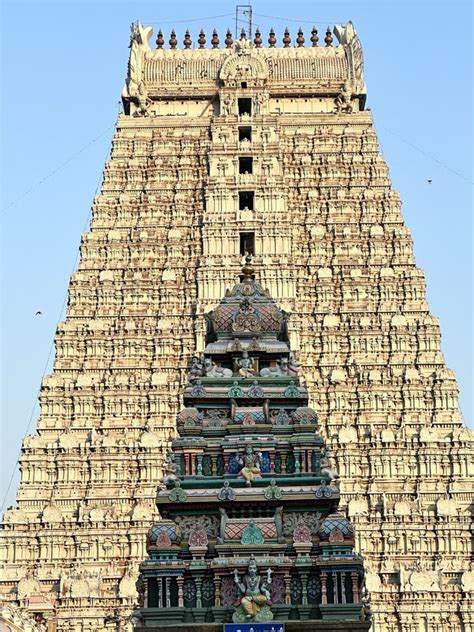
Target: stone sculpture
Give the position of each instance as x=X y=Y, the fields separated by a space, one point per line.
x=254 y=602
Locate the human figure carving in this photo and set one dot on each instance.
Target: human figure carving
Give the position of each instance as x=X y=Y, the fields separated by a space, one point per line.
x=246 y=364
x=250 y=463
x=255 y=592
x=170 y=469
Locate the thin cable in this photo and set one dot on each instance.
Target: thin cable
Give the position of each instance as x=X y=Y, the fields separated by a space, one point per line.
x=52 y=343
x=212 y=17
x=428 y=155
x=51 y=173
x=274 y=17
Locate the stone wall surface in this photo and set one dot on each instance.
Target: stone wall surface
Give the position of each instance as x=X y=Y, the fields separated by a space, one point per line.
x=164 y=244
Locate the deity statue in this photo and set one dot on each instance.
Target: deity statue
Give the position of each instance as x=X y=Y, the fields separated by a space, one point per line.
x=170 y=469
x=250 y=463
x=254 y=603
x=343 y=100
x=143 y=100
x=246 y=364
x=196 y=368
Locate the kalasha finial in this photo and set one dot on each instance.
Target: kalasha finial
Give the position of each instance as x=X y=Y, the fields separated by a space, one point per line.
x=286 y=39
x=328 y=38
x=272 y=39
x=248 y=272
x=300 y=39
x=258 y=39
x=187 y=40
x=228 y=39
x=243 y=34
x=201 y=39
x=215 y=39
x=160 y=39
x=314 y=36
x=173 y=40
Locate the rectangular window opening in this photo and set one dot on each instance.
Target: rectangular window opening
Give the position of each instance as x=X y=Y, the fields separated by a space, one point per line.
x=246 y=200
x=245 y=165
x=245 y=133
x=245 y=107
x=247 y=243
x=243 y=84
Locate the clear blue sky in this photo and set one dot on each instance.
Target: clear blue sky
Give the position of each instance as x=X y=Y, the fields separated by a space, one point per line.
x=64 y=65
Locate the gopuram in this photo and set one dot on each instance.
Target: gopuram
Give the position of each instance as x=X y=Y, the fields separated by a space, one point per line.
x=249 y=528
x=225 y=147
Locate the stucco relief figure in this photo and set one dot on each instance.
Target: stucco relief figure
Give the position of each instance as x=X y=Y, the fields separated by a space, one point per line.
x=260 y=103
x=326 y=467
x=284 y=367
x=196 y=369
x=227 y=104
x=345 y=34
x=254 y=602
x=211 y=369
x=143 y=100
x=250 y=463
x=139 y=37
x=246 y=365
x=343 y=100
x=170 y=469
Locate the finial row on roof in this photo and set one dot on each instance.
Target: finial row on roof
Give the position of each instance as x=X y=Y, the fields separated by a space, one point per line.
x=258 y=41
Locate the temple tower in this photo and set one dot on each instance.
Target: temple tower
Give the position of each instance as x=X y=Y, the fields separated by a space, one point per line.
x=248 y=486
x=219 y=151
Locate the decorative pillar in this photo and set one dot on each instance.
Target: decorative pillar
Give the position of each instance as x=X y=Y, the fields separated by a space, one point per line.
x=168 y=592
x=324 y=592
x=287 y=590
x=355 y=588
x=343 y=588
x=334 y=586
x=187 y=469
x=226 y=463
x=159 y=585
x=272 y=461
x=198 y=581
x=217 y=587
x=297 y=461
x=180 y=581
x=145 y=594
x=214 y=464
x=304 y=588
x=179 y=464
x=199 y=464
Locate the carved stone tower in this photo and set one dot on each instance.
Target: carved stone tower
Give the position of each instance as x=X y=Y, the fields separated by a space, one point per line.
x=221 y=151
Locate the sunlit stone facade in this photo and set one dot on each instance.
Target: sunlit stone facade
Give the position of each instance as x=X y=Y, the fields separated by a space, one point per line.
x=220 y=150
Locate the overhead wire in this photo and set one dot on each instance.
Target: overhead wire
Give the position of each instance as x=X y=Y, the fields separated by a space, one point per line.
x=212 y=17
x=427 y=154
x=54 y=171
x=51 y=347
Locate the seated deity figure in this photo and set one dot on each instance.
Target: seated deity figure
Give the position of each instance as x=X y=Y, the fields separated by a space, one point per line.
x=250 y=463
x=246 y=365
x=195 y=370
x=254 y=601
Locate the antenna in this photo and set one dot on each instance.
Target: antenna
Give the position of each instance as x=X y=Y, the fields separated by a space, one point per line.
x=243 y=13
